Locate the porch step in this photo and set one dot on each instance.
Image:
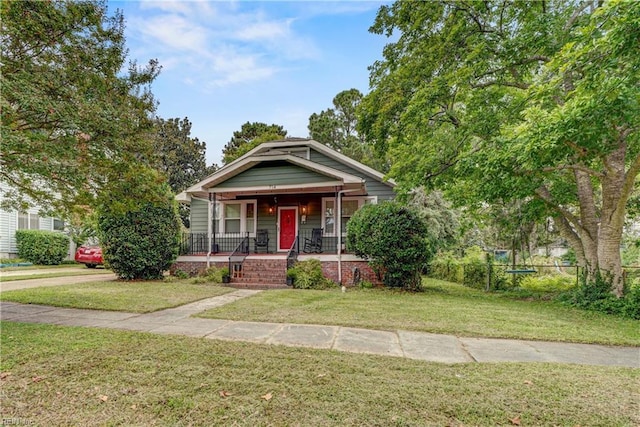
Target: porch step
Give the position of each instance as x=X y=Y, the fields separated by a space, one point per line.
x=263 y=271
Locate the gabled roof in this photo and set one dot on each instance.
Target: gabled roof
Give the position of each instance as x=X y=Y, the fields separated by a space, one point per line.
x=278 y=152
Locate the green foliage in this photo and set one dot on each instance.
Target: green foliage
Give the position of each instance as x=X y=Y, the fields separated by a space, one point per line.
x=42 y=247
x=72 y=108
x=141 y=242
x=441 y=218
x=180 y=274
x=337 y=128
x=446 y=266
x=177 y=155
x=469 y=269
x=248 y=137
x=501 y=101
x=548 y=283
x=213 y=274
x=595 y=294
x=394 y=239
x=307 y=274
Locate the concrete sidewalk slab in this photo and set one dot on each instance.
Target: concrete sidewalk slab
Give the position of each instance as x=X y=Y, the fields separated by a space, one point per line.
x=191 y=327
x=433 y=347
x=312 y=336
x=246 y=331
x=367 y=341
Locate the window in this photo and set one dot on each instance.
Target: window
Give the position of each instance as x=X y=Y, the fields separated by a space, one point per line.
x=329 y=220
x=349 y=206
x=28 y=221
x=58 y=224
x=236 y=217
x=232 y=218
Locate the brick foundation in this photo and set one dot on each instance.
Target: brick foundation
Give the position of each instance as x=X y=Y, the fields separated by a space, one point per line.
x=273 y=271
x=330 y=271
x=193 y=268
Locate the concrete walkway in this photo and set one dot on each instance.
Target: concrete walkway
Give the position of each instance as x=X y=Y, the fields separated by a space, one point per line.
x=413 y=345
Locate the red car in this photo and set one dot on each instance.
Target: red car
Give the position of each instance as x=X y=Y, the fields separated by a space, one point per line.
x=89 y=255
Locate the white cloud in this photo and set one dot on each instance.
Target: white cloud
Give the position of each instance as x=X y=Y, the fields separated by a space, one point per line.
x=170 y=32
x=219 y=43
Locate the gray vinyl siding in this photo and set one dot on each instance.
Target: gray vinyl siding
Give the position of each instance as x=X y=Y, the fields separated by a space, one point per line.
x=199 y=216
x=281 y=174
x=8 y=223
x=374 y=186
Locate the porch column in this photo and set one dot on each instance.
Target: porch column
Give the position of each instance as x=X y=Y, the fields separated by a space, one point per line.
x=212 y=197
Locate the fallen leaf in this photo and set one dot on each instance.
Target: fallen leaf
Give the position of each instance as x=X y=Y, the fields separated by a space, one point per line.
x=104 y=398
x=515 y=421
x=4 y=375
x=224 y=393
x=267 y=396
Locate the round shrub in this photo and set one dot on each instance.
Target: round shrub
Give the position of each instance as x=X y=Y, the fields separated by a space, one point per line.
x=141 y=243
x=394 y=239
x=42 y=247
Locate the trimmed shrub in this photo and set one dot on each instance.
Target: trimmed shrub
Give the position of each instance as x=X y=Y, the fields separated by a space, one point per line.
x=307 y=274
x=394 y=239
x=141 y=243
x=42 y=247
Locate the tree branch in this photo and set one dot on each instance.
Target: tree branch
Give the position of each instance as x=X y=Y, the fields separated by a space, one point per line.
x=574 y=167
x=545 y=196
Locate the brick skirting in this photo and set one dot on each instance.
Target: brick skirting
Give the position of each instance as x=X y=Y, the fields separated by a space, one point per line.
x=350 y=269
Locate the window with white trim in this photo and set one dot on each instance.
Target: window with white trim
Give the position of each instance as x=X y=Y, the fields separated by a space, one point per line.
x=28 y=221
x=349 y=206
x=234 y=217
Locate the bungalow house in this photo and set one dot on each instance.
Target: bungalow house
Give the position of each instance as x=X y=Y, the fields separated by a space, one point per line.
x=282 y=201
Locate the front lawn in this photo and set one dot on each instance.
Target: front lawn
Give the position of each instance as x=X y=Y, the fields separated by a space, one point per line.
x=53 y=375
x=442 y=308
x=134 y=297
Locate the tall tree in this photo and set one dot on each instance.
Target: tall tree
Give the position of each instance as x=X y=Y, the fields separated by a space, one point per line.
x=497 y=101
x=249 y=135
x=337 y=128
x=177 y=155
x=71 y=119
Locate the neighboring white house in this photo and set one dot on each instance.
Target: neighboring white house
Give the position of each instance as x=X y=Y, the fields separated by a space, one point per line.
x=10 y=221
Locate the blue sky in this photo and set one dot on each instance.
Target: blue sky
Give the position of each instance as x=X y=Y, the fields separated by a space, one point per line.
x=226 y=63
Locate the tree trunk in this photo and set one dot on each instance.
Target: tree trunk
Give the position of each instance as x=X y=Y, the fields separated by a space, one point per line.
x=615 y=194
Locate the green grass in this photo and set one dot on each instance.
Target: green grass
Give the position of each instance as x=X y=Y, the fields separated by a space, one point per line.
x=53 y=375
x=135 y=297
x=443 y=308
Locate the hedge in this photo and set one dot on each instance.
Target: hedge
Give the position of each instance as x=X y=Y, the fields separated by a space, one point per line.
x=42 y=247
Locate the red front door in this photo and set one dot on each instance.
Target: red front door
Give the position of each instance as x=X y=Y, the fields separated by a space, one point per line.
x=288 y=227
